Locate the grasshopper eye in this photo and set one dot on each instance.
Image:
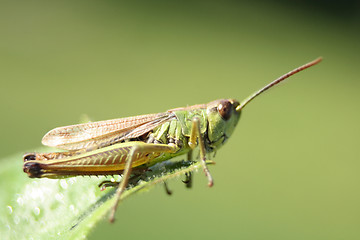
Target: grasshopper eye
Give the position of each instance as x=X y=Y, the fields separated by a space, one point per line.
x=225 y=109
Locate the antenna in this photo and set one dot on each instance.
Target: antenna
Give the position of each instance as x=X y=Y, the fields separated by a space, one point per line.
x=275 y=82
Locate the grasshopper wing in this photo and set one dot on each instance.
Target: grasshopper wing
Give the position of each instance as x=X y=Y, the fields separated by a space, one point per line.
x=103 y=133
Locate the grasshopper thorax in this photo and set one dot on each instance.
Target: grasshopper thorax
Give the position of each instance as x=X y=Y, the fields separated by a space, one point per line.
x=222 y=119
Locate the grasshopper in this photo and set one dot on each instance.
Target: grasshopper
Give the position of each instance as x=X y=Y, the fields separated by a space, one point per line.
x=133 y=144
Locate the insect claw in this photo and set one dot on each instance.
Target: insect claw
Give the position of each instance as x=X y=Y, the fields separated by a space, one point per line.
x=211 y=183
x=210 y=179
x=104 y=184
x=188 y=180
x=112 y=219
x=168 y=191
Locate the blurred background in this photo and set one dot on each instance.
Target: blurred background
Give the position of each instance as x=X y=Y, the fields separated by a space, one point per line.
x=291 y=168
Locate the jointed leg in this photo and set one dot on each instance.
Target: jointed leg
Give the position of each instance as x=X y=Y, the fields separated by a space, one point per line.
x=188 y=177
x=196 y=134
x=124 y=181
x=140 y=148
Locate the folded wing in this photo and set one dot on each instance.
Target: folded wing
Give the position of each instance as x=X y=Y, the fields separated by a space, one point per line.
x=94 y=135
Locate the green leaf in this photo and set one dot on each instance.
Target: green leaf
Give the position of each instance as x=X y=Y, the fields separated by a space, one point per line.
x=65 y=208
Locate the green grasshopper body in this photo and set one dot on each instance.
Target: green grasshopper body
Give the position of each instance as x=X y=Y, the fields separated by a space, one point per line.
x=123 y=145
x=173 y=136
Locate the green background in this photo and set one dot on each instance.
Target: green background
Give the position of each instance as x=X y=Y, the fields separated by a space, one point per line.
x=291 y=168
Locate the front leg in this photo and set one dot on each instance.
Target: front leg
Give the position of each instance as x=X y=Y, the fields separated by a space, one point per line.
x=196 y=134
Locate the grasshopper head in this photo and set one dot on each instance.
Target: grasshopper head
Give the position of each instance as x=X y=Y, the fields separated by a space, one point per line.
x=224 y=114
x=222 y=119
